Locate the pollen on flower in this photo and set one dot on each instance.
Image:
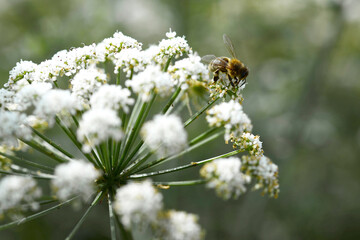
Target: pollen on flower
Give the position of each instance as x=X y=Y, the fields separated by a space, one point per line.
x=138 y=203
x=165 y=135
x=74 y=178
x=248 y=142
x=225 y=176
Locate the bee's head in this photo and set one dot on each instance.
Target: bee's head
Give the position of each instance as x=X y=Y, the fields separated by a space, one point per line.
x=244 y=72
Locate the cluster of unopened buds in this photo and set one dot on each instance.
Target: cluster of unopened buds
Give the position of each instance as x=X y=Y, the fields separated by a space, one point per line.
x=120 y=129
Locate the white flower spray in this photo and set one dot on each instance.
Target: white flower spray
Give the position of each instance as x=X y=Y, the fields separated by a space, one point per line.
x=123 y=125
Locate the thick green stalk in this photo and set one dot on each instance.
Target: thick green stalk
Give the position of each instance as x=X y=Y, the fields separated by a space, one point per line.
x=172 y=99
x=96 y=200
x=112 y=219
x=36 y=215
x=192 y=164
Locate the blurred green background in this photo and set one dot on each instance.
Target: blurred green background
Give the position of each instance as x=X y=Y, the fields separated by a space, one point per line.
x=303 y=96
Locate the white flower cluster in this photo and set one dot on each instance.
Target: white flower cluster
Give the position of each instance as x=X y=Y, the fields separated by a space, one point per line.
x=165 y=134
x=138 y=203
x=131 y=60
x=98 y=125
x=172 y=47
x=16 y=190
x=13 y=125
x=225 y=176
x=112 y=97
x=179 y=225
x=6 y=98
x=151 y=79
x=86 y=82
x=30 y=95
x=110 y=46
x=75 y=178
x=249 y=142
x=56 y=102
x=231 y=115
x=188 y=70
x=265 y=172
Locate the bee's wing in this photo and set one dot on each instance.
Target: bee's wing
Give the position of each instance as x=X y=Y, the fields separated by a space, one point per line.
x=229 y=46
x=208 y=58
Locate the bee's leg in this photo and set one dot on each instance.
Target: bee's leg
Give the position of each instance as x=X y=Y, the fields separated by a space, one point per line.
x=216 y=75
x=243 y=82
x=231 y=81
x=237 y=81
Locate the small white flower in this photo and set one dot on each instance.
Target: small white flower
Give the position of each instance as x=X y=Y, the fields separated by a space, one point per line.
x=98 y=125
x=86 y=82
x=266 y=169
x=109 y=46
x=112 y=96
x=172 y=47
x=6 y=98
x=152 y=78
x=16 y=190
x=165 y=135
x=75 y=178
x=55 y=102
x=181 y=225
x=249 y=142
x=131 y=59
x=138 y=203
x=13 y=125
x=225 y=177
x=30 y=94
x=231 y=115
x=20 y=72
x=188 y=69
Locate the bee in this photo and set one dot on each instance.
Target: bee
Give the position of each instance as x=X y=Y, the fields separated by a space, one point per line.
x=235 y=70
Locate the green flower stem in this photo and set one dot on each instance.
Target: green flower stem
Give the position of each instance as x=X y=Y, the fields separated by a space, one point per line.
x=192 y=164
x=19 y=169
x=96 y=200
x=203 y=135
x=109 y=147
x=163 y=160
x=127 y=127
x=135 y=130
x=118 y=78
x=94 y=160
x=196 y=115
x=137 y=163
x=49 y=141
x=36 y=215
x=47 y=177
x=112 y=219
x=126 y=235
x=45 y=150
x=180 y=183
x=167 y=64
x=27 y=162
x=171 y=101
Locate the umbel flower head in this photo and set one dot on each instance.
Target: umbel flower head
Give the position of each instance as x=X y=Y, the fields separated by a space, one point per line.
x=124 y=111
